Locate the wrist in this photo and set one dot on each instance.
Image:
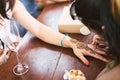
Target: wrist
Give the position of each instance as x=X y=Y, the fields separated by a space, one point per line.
x=69 y=43
x=65 y=41
x=74 y=43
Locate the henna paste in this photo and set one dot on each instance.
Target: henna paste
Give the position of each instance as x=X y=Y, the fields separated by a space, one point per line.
x=73 y=40
x=82 y=45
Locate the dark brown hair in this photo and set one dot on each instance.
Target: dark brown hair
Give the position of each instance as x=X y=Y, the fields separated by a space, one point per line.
x=116 y=10
x=105 y=12
x=3 y=5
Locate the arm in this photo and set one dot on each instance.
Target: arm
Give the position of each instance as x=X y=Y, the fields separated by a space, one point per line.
x=40 y=30
x=35 y=27
x=47 y=2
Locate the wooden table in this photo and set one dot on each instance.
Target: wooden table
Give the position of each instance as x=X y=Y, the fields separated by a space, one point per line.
x=46 y=61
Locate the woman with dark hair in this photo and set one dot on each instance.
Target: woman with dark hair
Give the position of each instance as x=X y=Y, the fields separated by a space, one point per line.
x=15 y=9
x=103 y=18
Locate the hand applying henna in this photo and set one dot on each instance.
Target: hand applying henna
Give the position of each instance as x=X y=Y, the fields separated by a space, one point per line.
x=99 y=43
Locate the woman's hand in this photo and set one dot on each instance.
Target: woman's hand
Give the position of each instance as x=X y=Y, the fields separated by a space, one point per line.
x=99 y=43
x=82 y=49
x=4 y=55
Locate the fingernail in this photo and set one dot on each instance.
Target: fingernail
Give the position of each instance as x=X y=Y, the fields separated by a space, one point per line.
x=87 y=63
x=107 y=60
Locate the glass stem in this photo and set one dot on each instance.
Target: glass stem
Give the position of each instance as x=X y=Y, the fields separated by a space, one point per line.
x=20 y=67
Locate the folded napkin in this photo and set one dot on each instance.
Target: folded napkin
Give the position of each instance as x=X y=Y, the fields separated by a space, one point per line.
x=67 y=25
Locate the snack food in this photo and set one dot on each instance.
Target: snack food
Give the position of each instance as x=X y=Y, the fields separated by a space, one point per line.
x=74 y=75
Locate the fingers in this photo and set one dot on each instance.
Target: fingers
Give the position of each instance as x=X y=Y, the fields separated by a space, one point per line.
x=4 y=57
x=96 y=50
x=97 y=56
x=82 y=58
x=1 y=51
x=95 y=38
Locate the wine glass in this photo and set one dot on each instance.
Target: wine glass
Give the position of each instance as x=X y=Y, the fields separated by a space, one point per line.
x=13 y=39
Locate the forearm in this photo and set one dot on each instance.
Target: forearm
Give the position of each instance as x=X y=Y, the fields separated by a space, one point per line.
x=52 y=1
x=53 y=37
x=47 y=2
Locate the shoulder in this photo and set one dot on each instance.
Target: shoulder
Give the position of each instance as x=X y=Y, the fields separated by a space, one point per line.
x=111 y=75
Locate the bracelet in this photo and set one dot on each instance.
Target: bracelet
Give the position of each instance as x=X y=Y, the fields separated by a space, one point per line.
x=62 y=41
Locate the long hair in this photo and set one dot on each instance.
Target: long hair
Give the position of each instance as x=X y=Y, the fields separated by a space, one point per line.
x=108 y=14
x=116 y=10
x=3 y=6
